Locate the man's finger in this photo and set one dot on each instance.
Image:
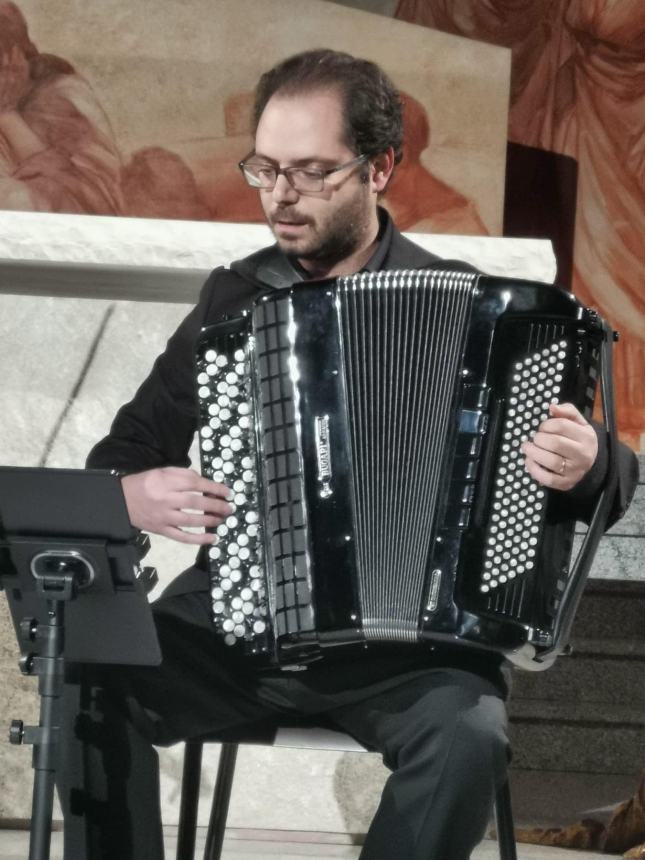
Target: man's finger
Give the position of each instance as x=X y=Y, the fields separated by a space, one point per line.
x=567 y=410
x=188 y=537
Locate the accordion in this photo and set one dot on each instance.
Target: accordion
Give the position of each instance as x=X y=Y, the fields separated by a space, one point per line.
x=370 y=429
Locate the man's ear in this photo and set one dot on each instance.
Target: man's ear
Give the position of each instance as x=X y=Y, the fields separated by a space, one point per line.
x=381 y=167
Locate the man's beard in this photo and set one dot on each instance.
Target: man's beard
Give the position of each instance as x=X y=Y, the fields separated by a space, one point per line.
x=332 y=240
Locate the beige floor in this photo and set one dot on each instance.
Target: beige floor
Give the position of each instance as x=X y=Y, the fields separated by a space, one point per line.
x=14 y=845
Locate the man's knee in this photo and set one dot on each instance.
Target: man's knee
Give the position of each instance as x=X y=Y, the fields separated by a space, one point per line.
x=463 y=723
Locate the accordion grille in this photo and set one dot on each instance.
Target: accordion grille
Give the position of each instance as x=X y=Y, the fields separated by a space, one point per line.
x=403 y=340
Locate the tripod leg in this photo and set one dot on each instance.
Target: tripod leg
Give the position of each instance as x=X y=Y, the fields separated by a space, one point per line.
x=45 y=738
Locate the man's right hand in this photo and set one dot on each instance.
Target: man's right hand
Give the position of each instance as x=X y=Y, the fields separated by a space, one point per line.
x=168 y=500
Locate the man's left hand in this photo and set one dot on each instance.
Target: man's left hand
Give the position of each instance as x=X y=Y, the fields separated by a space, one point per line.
x=563 y=449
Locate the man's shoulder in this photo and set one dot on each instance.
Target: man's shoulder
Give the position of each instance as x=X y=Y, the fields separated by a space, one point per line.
x=232 y=289
x=406 y=254
x=268 y=268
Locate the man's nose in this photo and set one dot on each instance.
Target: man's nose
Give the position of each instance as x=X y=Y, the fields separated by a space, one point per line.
x=283 y=191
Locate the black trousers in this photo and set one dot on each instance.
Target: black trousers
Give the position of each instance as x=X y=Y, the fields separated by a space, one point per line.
x=441 y=730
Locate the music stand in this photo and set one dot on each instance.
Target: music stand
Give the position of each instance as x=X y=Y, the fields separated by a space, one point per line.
x=70 y=566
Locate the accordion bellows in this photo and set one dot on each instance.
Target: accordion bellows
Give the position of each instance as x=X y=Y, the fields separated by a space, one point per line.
x=370 y=428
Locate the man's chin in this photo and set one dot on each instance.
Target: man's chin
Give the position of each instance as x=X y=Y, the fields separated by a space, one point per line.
x=294 y=246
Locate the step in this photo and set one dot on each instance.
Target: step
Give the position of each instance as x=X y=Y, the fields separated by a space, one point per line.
x=577 y=737
x=556 y=798
x=605 y=678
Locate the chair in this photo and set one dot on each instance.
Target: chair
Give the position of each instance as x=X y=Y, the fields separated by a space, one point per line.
x=300 y=735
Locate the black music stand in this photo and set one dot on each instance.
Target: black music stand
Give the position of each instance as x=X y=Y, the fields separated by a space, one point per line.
x=69 y=563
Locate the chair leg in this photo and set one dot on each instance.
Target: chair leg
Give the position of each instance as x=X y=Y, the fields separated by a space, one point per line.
x=221 y=798
x=504 y=820
x=189 y=804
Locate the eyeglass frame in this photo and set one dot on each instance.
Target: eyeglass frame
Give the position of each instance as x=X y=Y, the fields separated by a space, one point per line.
x=287 y=171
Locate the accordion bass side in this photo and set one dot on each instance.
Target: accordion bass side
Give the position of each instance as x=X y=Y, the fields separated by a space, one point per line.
x=370 y=428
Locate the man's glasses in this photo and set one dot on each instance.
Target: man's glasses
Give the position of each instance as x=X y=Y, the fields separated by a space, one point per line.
x=259 y=174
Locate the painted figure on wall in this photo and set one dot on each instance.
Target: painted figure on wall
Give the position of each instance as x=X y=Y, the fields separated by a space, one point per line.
x=57 y=151
x=418 y=200
x=578 y=88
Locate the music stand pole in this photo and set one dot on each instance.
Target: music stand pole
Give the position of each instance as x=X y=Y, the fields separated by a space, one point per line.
x=56 y=588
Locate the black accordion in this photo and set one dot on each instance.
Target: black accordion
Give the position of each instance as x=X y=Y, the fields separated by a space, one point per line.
x=370 y=429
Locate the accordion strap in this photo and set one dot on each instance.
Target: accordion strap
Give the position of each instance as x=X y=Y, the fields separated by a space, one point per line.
x=580 y=570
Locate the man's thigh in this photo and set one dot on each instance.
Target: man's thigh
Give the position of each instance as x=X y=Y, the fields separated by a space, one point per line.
x=427 y=704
